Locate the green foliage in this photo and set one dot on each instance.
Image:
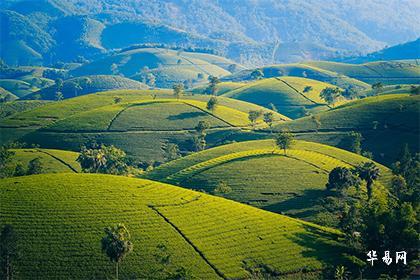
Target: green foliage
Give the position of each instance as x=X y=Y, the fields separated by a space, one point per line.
x=222 y=188
x=202 y=126
x=103 y=159
x=212 y=103
x=257 y=74
x=8 y=252
x=330 y=95
x=368 y=172
x=5 y=158
x=355 y=142
x=284 y=140
x=116 y=244
x=212 y=87
x=178 y=90
x=341 y=178
x=254 y=115
x=35 y=166
x=268 y=118
x=172 y=152
x=307 y=89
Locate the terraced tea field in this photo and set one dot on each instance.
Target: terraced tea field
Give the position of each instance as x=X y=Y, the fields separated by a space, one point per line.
x=392 y=117
x=261 y=175
x=52 y=161
x=286 y=93
x=211 y=237
x=142 y=124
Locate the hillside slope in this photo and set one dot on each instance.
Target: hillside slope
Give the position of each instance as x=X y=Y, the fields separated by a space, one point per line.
x=210 y=237
x=386 y=122
x=261 y=175
x=287 y=94
x=142 y=124
x=52 y=161
x=167 y=66
x=86 y=84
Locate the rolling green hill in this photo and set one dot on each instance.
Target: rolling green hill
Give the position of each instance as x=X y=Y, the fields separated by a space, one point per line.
x=9 y=108
x=261 y=175
x=386 y=72
x=17 y=87
x=302 y=70
x=52 y=161
x=167 y=66
x=210 y=237
x=221 y=88
x=388 y=89
x=286 y=93
x=85 y=85
x=386 y=122
x=6 y=96
x=142 y=124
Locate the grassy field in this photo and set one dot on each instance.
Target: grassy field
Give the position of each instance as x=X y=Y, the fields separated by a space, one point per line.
x=386 y=122
x=52 y=161
x=88 y=84
x=168 y=66
x=142 y=124
x=286 y=93
x=221 y=88
x=209 y=236
x=304 y=71
x=386 y=72
x=17 y=87
x=9 y=108
x=262 y=176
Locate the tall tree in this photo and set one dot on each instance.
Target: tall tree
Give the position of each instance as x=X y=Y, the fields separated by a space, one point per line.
x=369 y=172
x=253 y=116
x=103 y=159
x=268 y=118
x=178 y=90
x=35 y=166
x=8 y=251
x=341 y=178
x=212 y=103
x=284 y=140
x=212 y=87
x=116 y=244
x=330 y=94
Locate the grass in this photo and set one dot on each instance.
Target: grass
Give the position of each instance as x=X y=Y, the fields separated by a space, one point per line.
x=168 y=66
x=52 y=161
x=209 y=236
x=302 y=70
x=9 y=108
x=88 y=84
x=386 y=122
x=221 y=88
x=140 y=124
x=286 y=93
x=386 y=72
x=17 y=87
x=261 y=175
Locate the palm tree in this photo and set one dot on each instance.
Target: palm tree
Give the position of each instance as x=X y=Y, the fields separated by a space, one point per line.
x=116 y=244
x=369 y=172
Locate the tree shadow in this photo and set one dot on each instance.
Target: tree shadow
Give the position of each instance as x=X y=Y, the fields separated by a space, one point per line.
x=186 y=115
x=305 y=204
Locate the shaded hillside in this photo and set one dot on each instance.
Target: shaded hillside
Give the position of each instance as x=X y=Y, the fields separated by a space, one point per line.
x=259 y=174
x=165 y=66
x=287 y=94
x=143 y=123
x=386 y=122
x=85 y=85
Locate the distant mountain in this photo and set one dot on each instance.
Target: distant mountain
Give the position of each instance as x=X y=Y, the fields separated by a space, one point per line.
x=409 y=50
x=248 y=31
